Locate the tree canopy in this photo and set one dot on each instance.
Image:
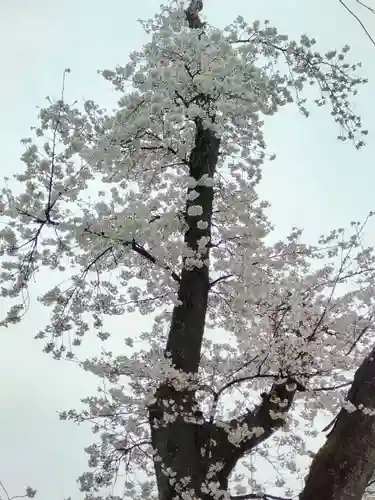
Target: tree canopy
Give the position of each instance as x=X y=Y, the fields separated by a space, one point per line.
x=153 y=207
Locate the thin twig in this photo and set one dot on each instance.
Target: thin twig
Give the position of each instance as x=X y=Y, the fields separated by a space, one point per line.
x=358 y=21
x=366 y=6
x=221 y=278
x=262 y=496
x=331 y=387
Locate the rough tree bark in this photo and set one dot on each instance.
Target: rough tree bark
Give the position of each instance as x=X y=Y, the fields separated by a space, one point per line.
x=343 y=467
x=192 y=14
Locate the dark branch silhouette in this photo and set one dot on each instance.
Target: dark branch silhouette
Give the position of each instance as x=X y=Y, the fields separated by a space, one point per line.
x=192 y=14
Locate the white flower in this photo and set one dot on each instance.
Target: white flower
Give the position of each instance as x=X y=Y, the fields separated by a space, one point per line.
x=195 y=210
x=202 y=224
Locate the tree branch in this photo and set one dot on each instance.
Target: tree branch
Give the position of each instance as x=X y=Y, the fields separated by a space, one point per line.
x=353 y=14
x=139 y=249
x=330 y=387
x=366 y=6
x=263 y=496
x=270 y=414
x=192 y=14
x=221 y=278
x=131 y=243
x=146 y=254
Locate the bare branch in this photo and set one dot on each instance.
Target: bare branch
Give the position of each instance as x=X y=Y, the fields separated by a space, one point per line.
x=30 y=493
x=363 y=331
x=262 y=496
x=366 y=6
x=221 y=278
x=359 y=21
x=53 y=154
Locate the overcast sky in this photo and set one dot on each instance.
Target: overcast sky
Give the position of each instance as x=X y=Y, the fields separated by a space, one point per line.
x=316 y=183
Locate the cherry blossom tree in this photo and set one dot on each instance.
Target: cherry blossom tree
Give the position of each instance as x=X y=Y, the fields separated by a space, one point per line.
x=153 y=208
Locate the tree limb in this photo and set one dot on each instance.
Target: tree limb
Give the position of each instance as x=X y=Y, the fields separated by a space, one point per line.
x=270 y=414
x=359 y=21
x=137 y=248
x=262 y=496
x=221 y=278
x=366 y=6
x=192 y=14
x=268 y=417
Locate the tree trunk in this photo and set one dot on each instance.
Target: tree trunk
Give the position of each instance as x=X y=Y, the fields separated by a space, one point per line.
x=178 y=442
x=177 y=432
x=186 y=446
x=342 y=468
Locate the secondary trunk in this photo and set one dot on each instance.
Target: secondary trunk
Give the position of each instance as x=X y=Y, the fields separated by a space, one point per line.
x=342 y=468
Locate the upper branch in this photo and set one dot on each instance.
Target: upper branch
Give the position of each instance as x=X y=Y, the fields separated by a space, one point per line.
x=192 y=14
x=269 y=415
x=140 y=250
x=260 y=496
x=358 y=19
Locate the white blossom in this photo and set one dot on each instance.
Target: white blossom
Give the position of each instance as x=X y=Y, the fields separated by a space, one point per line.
x=104 y=205
x=195 y=210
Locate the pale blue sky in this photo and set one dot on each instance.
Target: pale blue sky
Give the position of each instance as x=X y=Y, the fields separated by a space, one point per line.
x=315 y=183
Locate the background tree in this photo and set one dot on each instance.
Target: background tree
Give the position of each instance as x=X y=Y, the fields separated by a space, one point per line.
x=344 y=466
x=177 y=232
